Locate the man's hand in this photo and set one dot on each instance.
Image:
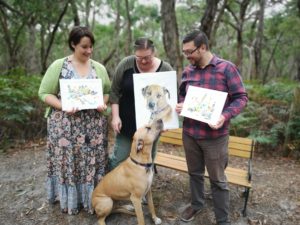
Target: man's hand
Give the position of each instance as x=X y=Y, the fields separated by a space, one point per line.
x=178 y=107
x=219 y=123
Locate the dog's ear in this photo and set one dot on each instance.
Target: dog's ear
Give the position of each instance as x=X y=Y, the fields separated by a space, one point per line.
x=166 y=91
x=144 y=90
x=139 y=145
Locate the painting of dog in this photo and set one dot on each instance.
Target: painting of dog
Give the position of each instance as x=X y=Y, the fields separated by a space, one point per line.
x=156 y=102
x=155 y=96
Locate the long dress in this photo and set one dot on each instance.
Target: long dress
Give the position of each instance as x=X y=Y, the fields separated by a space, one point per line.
x=76 y=152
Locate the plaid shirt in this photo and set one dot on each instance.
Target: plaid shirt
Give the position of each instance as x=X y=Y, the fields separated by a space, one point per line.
x=219 y=75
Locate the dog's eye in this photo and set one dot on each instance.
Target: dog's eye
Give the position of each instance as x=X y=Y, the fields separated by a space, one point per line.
x=148 y=93
x=158 y=96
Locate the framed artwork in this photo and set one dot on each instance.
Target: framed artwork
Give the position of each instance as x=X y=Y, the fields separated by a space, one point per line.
x=81 y=93
x=155 y=97
x=203 y=104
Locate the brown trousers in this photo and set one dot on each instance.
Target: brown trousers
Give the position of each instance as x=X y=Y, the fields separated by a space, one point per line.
x=212 y=154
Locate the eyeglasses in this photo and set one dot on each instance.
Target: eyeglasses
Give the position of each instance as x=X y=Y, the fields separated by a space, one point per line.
x=141 y=58
x=189 y=52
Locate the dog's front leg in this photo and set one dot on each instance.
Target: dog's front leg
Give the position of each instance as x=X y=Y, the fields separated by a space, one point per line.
x=155 y=219
x=137 y=202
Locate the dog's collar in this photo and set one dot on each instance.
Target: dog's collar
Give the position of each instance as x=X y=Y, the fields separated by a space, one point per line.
x=147 y=166
x=158 y=111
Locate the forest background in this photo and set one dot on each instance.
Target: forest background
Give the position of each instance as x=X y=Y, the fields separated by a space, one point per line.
x=262 y=37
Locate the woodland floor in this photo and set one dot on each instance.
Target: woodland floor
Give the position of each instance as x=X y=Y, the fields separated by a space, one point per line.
x=274 y=199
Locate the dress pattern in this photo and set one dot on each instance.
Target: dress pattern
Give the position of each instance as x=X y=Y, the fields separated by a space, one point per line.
x=76 y=152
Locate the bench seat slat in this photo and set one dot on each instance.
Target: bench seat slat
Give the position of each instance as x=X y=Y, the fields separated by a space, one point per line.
x=234 y=175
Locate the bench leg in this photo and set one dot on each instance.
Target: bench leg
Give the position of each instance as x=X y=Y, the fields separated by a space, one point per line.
x=246 y=193
x=155 y=169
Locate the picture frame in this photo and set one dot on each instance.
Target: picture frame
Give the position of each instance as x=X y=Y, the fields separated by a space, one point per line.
x=156 y=98
x=203 y=104
x=81 y=93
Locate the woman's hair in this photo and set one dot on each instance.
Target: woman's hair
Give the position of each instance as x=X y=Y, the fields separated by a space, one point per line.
x=77 y=33
x=199 y=38
x=143 y=43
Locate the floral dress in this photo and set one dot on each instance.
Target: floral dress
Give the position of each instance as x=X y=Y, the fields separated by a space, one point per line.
x=76 y=152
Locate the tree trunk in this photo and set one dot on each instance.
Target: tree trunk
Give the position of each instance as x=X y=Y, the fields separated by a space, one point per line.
x=115 y=50
x=298 y=67
x=216 y=24
x=170 y=36
x=87 y=12
x=239 y=27
x=128 y=45
x=32 y=63
x=259 y=40
x=11 y=38
x=292 y=142
x=52 y=36
x=264 y=79
x=207 y=20
x=75 y=13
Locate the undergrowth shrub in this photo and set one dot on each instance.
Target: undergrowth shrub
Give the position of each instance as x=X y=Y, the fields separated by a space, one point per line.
x=21 y=115
x=266 y=116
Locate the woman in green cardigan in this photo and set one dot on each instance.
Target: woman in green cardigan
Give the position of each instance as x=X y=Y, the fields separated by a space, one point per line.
x=77 y=140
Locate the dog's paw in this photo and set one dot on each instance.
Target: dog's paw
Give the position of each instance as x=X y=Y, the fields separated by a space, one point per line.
x=157 y=221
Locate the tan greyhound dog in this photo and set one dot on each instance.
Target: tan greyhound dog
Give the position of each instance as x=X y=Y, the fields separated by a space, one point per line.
x=132 y=179
x=157 y=103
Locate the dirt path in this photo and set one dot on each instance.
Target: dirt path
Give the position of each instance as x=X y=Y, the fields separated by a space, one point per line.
x=275 y=198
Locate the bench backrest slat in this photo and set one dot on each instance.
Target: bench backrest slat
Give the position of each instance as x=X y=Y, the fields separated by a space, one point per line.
x=238 y=146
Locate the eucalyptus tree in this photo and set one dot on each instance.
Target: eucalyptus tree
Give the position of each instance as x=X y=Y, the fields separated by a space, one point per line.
x=238 y=13
x=282 y=43
x=12 y=22
x=170 y=35
x=208 y=19
x=28 y=26
x=259 y=39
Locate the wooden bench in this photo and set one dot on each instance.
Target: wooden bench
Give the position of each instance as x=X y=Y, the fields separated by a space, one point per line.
x=237 y=146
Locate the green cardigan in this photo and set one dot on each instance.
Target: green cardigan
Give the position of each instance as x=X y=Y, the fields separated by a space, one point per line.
x=50 y=81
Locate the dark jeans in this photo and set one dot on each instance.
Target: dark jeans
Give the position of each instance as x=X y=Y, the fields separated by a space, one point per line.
x=212 y=154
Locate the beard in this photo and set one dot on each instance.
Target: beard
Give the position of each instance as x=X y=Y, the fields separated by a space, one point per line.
x=194 y=61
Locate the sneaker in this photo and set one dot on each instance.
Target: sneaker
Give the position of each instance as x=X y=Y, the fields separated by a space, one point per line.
x=189 y=214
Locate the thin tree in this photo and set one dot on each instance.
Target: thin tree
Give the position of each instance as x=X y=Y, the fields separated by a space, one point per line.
x=207 y=20
x=76 y=18
x=259 y=40
x=239 y=19
x=129 y=32
x=170 y=35
x=46 y=51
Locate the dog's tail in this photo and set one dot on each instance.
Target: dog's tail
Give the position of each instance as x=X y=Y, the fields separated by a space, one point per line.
x=127 y=209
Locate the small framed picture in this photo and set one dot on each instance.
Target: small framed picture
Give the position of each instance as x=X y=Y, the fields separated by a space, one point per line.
x=155 y=97
x=203 y=104
x=81 y=93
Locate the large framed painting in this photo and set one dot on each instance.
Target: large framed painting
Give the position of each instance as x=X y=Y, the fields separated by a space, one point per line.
x=203 y=104
x=81 y=93
x=155 y=97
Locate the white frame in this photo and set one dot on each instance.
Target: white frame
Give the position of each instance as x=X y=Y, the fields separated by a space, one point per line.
x=203 y=104
x=167 y=80
x=81 y=93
